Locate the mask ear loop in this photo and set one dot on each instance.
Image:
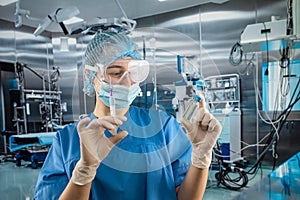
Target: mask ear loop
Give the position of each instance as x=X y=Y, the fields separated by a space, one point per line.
x=99 y=81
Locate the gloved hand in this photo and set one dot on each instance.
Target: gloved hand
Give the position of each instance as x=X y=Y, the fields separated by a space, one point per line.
x=203 y=132
x=95 y=146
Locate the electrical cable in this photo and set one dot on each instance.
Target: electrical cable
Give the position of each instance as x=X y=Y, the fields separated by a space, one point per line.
x=275 y=105
x=54 y=76
x=249 y=65
x=284 y=60
x=233 y=178
x=281 y=118
x=290 y=25
x=277 y=122
x=25 y=66
x=271 y=139
x=266 y=73
x=240 y=151
x=276 y=100
x=268 y=122
x=271 y=122
x=253 y=175
x=284 y=87
x=275 y=144
x=289 y=110
x=284 y=67
x=267 y=47
x=236 y=54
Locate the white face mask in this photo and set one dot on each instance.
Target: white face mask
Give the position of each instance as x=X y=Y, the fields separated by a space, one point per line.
x=123 y=95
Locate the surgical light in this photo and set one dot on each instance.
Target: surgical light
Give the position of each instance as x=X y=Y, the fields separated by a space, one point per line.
x=46 y=22
x=92 y=26
x=73 y=20
x=60 y=15
x=7 y=2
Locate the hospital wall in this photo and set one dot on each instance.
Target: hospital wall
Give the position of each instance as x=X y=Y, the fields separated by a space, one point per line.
x=217 y=28
x=40 y=54
x=210 y=30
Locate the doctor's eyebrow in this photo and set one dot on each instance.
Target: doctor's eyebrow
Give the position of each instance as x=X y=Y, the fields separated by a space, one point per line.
x=115 y=66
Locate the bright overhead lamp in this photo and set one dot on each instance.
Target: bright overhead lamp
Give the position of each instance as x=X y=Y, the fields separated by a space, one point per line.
x=69 y=24
x=80 y=26
x=62 y=14
x=73 y=27
x=7 y=2
x=45 y=23
x=73 y=20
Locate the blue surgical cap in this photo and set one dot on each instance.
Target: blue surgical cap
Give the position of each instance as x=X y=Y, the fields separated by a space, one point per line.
x=105 y=48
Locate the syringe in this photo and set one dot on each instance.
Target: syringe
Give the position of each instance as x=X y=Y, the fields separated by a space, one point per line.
x=112 y=107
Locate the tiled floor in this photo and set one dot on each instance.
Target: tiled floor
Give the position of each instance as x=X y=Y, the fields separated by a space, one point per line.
x=17 y=183
x=215 y=192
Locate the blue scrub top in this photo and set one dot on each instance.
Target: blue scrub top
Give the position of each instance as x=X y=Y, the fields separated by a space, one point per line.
x=147 y=164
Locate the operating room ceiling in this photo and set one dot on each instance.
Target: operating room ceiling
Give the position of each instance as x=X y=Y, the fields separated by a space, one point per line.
x=90 y=9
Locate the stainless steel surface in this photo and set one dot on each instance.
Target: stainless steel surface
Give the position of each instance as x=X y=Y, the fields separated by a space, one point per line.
x=134 y=9
x=293 y=116
x=282 y=183
x=67 y=61
x=8 y=44
x=213 y=29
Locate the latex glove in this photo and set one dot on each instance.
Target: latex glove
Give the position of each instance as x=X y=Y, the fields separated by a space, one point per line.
x=95 y=146
x=203 y=133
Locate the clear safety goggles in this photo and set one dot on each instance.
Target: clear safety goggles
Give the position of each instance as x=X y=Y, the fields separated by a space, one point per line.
x=124 y=70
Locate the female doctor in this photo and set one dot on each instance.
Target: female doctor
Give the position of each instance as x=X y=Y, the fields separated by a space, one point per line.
x=121 y=151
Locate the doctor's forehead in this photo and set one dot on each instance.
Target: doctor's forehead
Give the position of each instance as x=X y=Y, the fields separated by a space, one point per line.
x=121 y=62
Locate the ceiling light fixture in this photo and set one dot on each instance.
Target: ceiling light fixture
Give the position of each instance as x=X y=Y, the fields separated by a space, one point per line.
x=7 y=2
x=92 y=26
x=60 y=15
x=20 y=13
x=72 y=20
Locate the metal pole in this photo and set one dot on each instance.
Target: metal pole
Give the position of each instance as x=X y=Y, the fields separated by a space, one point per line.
x=257 y=110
